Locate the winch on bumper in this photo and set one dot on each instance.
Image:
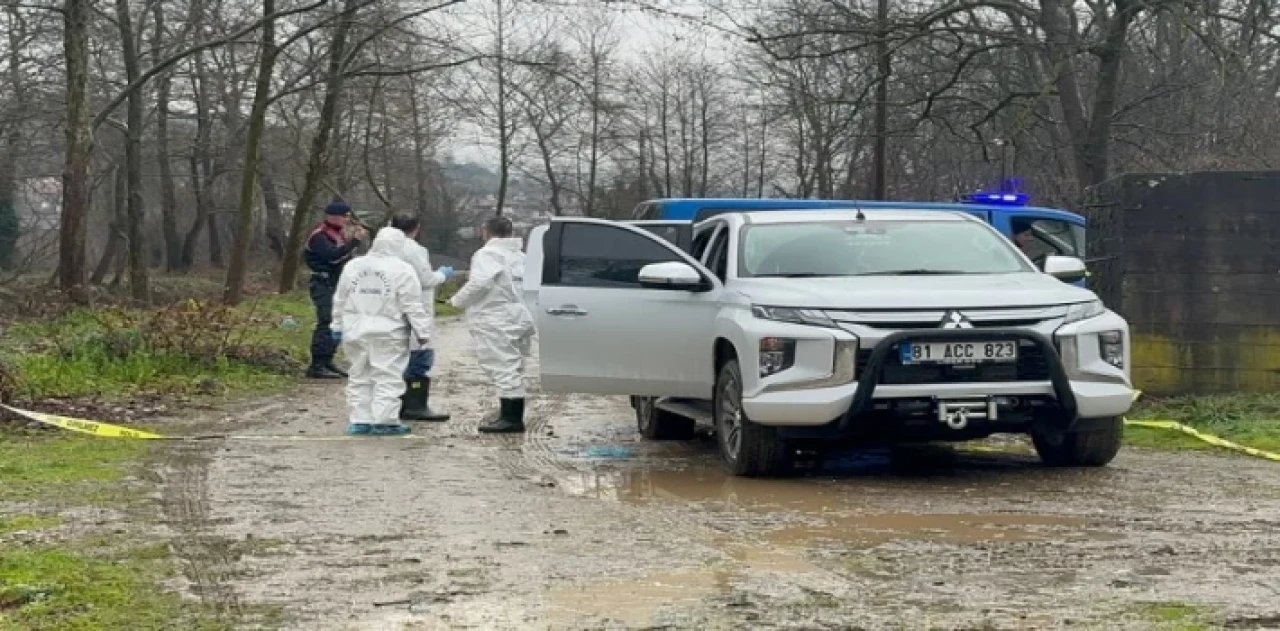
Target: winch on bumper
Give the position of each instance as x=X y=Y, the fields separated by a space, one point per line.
x=943 y=409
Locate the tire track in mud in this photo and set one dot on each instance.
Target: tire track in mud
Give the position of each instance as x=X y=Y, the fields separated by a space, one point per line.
x=206 y=560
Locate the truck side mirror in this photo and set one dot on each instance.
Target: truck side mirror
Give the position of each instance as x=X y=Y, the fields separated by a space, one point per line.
x=1067 y=269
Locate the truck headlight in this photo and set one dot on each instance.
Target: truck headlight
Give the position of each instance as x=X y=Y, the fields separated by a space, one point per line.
x=793 y=315
x=776 y=355
x=1111 y=348
x=1084 y=311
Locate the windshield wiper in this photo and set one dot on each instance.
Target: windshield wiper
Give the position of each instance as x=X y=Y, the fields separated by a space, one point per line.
x=795 y=275
x=915 y=272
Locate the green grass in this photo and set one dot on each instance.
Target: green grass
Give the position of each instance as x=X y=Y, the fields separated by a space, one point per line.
x=119 y=353
x=64 y=588
x=1252 y=420
x=62 y=469
x=1174 y=616
x=122 y=353
x=104 y=580
x=18 y=523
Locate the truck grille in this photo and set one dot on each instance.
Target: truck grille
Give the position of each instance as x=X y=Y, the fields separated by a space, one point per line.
x=1032 y=365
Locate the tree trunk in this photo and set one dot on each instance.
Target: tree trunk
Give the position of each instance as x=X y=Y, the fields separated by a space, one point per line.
x=879 y=184
x=115 y=227
x=594 y=165
x=504 y=138
x=275 y=217
x=199 y=151
x=139 y=287
x=238 y=270
x=168 y=191
x=419 y=157
x=1091 y=137
x=212 y=229
x=10 y=227
x=704 y=118
x=318 y=161
x=73 y=232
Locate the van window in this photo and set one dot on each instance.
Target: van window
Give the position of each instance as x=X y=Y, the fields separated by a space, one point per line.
x=1048 y=237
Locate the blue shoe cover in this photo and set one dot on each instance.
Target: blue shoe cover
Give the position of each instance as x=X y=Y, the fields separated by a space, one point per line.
x=389 y=430
x=357 y=429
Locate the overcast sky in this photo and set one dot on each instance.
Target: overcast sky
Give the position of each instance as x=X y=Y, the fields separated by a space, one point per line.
x=639 y=32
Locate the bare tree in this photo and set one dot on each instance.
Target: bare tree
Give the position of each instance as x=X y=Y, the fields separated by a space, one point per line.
x=318 y=161
x=238 y=270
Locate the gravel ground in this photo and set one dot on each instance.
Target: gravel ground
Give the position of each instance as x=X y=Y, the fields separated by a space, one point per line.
x=578 y=524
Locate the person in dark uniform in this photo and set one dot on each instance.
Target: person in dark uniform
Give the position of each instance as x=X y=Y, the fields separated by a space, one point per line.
x=329 y=246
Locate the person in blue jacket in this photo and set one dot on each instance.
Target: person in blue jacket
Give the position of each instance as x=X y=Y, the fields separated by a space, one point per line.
x=329 y=247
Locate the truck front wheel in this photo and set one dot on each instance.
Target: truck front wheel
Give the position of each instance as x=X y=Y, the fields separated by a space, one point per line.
x=747 y=448
x=1094 y=447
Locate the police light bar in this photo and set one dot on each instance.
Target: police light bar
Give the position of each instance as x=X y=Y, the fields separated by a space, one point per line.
x=996 y=199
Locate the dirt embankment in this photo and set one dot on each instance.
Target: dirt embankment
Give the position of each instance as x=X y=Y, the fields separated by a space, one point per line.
x=579 y=525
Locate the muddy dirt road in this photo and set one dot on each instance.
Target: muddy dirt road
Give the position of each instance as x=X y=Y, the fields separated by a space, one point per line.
x=579 y=525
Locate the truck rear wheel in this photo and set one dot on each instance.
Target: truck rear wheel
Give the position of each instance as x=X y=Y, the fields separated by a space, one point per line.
x=656 y=424
x=747 y=448
x=1091 y=448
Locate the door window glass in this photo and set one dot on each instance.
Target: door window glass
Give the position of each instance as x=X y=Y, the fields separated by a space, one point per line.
x=593 y=255
x=1038 y=238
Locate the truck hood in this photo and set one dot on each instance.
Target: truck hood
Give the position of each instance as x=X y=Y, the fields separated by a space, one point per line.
x=914 y=292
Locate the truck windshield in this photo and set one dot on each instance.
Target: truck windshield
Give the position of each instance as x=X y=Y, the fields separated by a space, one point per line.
x=875 y=248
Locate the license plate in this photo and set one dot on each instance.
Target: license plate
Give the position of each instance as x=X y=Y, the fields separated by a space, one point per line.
x=958 y=352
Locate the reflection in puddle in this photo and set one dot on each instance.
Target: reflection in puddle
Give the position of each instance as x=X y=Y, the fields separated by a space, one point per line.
x=774 y=530
x=871 y=530
x=635 y=602
x=708 y=487
x=808 y=513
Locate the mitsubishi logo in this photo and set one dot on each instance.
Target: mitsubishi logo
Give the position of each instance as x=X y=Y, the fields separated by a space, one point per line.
x=955 y=320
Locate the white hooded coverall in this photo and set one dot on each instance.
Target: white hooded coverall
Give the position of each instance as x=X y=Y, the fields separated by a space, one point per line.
x=500 y=323
x=378 y=309
x=420 y=260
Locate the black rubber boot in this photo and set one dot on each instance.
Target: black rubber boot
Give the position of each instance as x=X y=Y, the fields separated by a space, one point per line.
x=323 y=372
x=415 y=404
x=510 y=421
x=333 y=368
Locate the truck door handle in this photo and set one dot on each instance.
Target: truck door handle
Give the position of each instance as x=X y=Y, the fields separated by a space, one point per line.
x=566 y=310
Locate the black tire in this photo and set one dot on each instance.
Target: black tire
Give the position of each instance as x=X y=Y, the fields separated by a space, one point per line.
x=1092 y=448
x=747 y=448
x=655 y=424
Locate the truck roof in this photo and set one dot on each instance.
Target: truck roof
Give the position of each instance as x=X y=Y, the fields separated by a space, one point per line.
x=693 y=204
x=904 y=212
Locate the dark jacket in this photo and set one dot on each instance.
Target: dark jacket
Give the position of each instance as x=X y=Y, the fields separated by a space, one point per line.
x=327 y=251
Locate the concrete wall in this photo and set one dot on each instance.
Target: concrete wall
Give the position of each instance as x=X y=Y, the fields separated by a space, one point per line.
x=1193 y=262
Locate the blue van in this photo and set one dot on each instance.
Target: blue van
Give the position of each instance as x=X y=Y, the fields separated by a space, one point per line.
x=1054 y=231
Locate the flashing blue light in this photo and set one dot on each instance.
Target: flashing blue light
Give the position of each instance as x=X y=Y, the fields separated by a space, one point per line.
x=996 y=199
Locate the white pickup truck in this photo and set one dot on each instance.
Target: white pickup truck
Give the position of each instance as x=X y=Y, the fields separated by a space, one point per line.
x=800 y=329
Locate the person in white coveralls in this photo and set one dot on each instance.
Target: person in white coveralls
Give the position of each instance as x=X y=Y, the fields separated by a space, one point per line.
x=377 y=314
x=500 y=323
x=417 y=377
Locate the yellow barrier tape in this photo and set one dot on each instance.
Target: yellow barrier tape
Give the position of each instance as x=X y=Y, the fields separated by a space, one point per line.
x=83 y=426
x=1208 y=438
x=107 y=430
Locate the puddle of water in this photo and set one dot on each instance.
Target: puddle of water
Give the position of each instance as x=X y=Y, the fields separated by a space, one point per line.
x=635 y=602
x=710 y=488
x=872 y=530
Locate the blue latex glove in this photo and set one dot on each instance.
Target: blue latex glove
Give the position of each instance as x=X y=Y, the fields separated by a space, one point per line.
x=446 y=270
x=337 y=335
